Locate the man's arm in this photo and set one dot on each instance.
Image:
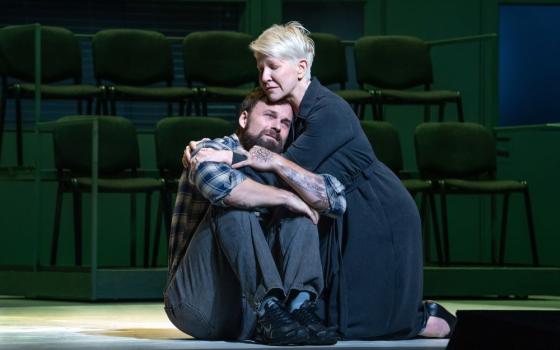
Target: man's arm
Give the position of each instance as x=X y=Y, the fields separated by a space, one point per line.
x=251 y=194
x=224 y=186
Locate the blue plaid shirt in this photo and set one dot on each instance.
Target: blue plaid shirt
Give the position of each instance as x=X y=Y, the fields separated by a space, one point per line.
x=210 y=184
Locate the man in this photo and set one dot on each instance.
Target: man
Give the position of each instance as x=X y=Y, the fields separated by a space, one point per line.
x=234 y=263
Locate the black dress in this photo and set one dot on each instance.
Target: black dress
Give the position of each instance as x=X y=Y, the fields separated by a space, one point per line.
x=372 y=256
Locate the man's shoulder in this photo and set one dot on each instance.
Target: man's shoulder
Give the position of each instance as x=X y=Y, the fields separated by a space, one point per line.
x=230 y=142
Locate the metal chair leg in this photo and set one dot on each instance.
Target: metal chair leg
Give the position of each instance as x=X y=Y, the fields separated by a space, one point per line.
x=77 y=199
x=204 y=103
x=435 y=225
x=56 y=226
x=444 y=223
x=19 y=130
x=147 y=224
x=460 y=114
x=531 y=227
x=3 y=100
x=132 y=230
x=157 y=230
x=377 y=107
x=425 y=227
x=503 y=235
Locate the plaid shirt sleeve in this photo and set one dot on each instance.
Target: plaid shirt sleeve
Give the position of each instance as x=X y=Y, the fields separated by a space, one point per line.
x=216 y=180
x=335 y=194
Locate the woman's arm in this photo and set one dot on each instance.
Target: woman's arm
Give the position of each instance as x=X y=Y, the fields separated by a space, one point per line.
x=310 y=186
x=322 y=192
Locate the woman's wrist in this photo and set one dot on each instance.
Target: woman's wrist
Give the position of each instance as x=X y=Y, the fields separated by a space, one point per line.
x=277 y=162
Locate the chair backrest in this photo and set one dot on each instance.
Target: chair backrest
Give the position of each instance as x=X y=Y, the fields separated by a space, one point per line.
x=384 y=140
x=458 y=150
x=174 y=133
x=60 y=53
x=118 y=145
x=393 y=62
x=132 y=57
x=219 y=58
x=329 y=64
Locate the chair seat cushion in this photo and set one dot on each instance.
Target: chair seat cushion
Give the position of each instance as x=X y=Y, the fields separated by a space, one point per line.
x=227 y=94
x=416 y=185
x=163 y=93
x=485 y=186
x=126 y=185
x=353 y=96
x=58 y=91
x=407 y=96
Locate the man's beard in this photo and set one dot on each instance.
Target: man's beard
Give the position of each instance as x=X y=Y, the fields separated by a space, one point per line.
x=248 y=141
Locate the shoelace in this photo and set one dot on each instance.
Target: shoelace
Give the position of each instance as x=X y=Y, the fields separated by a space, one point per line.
x=277 y=314
x=306 y=315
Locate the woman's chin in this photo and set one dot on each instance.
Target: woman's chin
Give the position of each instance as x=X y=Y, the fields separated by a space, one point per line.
x=274 y=96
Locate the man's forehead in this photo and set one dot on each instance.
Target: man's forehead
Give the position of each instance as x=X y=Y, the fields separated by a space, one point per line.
x=282 y=109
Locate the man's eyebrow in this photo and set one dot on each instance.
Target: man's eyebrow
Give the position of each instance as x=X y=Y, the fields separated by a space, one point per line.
x=288 y=119
x=271 y=111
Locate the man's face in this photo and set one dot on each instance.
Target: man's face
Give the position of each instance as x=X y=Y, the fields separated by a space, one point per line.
x=267 y=126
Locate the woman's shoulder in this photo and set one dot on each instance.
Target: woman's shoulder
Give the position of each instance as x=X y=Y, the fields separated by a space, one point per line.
x=329 y=102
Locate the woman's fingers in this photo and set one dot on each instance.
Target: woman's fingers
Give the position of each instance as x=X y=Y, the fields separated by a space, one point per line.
x=241 y=164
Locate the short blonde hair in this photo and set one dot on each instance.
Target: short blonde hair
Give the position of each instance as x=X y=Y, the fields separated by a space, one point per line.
x=287 y=41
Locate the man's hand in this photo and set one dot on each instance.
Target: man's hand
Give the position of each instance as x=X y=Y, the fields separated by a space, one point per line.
x=296 y=205
x=258 y=158
x=211 y=155
x=186 y=160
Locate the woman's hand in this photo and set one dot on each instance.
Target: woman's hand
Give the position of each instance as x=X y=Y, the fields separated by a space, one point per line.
x=211 y=155
x=186 y=160
x=258 y=158
x=297 y=205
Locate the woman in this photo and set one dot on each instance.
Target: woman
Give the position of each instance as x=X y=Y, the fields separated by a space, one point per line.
x=372 y=256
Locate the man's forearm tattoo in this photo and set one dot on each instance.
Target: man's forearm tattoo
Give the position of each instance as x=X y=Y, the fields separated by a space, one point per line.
x=313 y=187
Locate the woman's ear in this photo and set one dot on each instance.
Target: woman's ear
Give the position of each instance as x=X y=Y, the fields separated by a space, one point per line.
x=302 y=69
x=243 y=119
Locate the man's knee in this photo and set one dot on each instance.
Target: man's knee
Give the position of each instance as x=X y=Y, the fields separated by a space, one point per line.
x=189 y=320
x=233 y=222
x=300 y=226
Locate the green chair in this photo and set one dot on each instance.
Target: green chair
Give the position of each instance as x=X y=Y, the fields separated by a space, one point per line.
x=137 y=65
x=221 y=63
x=118 y=162
x=61 y=72
x=461 y=159
x=384 y=139
x=394 y=65
x=171 y=137
x=329 y=66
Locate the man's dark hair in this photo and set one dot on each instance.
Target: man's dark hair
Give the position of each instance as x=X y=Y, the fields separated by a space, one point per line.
x=251 y=100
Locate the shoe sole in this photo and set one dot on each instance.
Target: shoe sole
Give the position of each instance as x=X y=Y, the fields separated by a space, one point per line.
x=296 y=340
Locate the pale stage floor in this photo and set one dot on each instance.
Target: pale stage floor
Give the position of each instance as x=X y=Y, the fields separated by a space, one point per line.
x=39 y=324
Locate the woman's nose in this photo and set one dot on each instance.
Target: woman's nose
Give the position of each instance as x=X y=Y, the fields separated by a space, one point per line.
x=265 y=75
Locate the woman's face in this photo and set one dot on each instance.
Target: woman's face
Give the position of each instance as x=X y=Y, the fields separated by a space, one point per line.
x=278 y=77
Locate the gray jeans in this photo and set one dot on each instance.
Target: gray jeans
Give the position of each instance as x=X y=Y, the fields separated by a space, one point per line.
x=232 y=262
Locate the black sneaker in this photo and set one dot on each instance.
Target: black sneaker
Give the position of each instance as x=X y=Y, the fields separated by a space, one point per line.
x=277 y=327
x=319 y=334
